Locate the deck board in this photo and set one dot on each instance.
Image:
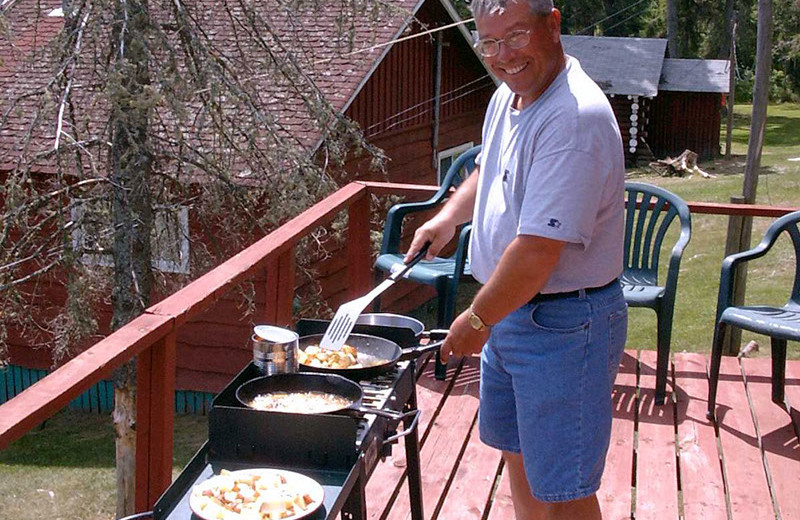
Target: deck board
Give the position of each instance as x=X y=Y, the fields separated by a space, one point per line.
x=747 y=484
x=656 y=475
x=444 y=442
x=615 y=494
x=465 y=480
x=793 y=393
x=384 y=485
x=778 y=438
x=700 y=470
x=502 y=508
x=474 y=481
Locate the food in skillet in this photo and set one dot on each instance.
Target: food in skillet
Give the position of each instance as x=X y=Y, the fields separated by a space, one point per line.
x=316 y=356
x=299 y=402
x=258 y=494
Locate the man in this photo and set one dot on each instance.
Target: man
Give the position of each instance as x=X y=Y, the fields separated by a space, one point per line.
x=546 y=204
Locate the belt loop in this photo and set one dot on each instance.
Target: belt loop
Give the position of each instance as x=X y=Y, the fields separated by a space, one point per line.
x=582 y=294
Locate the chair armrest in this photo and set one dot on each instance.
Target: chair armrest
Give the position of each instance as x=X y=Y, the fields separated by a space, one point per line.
x=460 y=259
x=393 y=228
x=463 y=249
x=730 y=264
x=394 y=218
x=671 y=283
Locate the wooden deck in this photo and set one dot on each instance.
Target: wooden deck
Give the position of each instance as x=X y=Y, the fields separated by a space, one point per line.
x=665 y=462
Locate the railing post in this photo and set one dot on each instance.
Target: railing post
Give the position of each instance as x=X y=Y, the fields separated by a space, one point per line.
x=359 y=266
x=155 y=413
x=280 y=289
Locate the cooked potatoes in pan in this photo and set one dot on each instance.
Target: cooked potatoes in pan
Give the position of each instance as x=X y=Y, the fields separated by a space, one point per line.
x=315 y=356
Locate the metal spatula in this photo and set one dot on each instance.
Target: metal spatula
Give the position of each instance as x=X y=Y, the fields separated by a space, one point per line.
x=345 y=319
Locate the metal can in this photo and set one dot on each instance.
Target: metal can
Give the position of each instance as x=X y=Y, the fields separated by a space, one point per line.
x=274 y=349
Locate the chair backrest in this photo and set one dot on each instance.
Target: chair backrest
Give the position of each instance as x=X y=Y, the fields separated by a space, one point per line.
x=461 y=168
x=791 y=224
x=649 y=213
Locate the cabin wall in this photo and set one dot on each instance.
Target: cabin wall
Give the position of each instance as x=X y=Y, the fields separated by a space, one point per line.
x=685 y=120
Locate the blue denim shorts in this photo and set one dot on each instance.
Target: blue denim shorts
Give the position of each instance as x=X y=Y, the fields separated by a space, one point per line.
x=547 y=372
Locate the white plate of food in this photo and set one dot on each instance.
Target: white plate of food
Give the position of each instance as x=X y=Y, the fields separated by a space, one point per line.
x=256 y=494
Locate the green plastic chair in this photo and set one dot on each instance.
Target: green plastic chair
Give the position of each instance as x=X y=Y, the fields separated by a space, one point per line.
x=779 y=323
x=649 y=213
x=443 y=273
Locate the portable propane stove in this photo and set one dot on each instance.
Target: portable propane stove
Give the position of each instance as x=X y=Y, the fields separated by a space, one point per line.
x=340 y=452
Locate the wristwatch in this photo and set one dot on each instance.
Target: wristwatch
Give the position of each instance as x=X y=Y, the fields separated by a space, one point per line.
x=475 y=321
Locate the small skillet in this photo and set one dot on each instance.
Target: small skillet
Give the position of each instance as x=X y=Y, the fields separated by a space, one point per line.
x=376 y=355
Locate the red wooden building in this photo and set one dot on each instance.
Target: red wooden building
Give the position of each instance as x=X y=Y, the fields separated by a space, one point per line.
x=663 y=106
x=418 y=92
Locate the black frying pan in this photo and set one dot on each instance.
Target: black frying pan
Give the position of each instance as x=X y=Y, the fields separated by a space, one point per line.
x=309 y=382
x=376 y=355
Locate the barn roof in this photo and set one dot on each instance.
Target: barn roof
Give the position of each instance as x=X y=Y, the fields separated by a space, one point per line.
x=627 y=66
x=695 y=75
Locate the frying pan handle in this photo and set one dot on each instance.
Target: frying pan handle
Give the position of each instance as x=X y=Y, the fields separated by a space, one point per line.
x=407 y=431
x=435 y=334
x=415 y=352
x=389 y=414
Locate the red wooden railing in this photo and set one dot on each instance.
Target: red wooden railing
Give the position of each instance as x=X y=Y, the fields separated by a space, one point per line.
x=152 y=336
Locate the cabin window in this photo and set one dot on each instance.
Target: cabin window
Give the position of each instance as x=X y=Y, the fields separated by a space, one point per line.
x=169 y=241
x=446 y=158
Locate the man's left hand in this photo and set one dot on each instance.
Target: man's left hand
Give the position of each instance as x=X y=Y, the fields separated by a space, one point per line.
x=462 y=340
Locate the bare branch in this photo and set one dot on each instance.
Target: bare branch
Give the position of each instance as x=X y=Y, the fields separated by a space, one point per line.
x=73 y=60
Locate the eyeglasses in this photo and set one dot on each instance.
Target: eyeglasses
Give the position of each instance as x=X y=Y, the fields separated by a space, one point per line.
x=515 y=39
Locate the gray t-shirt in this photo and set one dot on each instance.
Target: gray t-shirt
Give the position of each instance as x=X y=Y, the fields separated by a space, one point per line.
x=554 y=169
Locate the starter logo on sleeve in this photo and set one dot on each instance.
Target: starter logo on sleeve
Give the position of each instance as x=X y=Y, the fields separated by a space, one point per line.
x=554 y=223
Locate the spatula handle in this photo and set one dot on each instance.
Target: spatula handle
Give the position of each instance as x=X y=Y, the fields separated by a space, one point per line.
x=414 y=261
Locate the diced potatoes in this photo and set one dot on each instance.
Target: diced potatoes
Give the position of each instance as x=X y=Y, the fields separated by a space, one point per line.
x=244 y=496
x=315 y=356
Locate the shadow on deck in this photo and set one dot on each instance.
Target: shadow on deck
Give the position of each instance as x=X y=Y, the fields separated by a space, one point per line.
x=664 y=462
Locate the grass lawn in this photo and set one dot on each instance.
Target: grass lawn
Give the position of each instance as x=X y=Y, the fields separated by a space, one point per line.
x=65 y=470
x=769 y=278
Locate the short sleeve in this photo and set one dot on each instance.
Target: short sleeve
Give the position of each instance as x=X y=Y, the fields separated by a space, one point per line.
x=563 y=195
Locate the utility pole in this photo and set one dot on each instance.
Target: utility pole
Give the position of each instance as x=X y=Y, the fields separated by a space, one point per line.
x=742 y=227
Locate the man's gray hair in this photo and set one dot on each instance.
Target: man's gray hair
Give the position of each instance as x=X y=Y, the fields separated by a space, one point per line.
x=483 y=7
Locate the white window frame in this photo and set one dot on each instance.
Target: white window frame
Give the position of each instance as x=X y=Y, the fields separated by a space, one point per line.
x=450 y=152
x=159 y=261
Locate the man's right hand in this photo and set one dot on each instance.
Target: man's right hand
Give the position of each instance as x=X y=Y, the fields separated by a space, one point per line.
x=438 y=231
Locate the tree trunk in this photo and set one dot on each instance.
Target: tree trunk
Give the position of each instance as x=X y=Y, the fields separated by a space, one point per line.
x=131 y=164
x=727 y=30
x=672 y=29
x=124 y=417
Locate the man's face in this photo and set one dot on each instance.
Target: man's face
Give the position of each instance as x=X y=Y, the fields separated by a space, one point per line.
x=530 y=70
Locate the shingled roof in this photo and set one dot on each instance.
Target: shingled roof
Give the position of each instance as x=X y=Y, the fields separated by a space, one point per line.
x=685 y=75
x=638 y=67
x=336 y=61
x=627 y=66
